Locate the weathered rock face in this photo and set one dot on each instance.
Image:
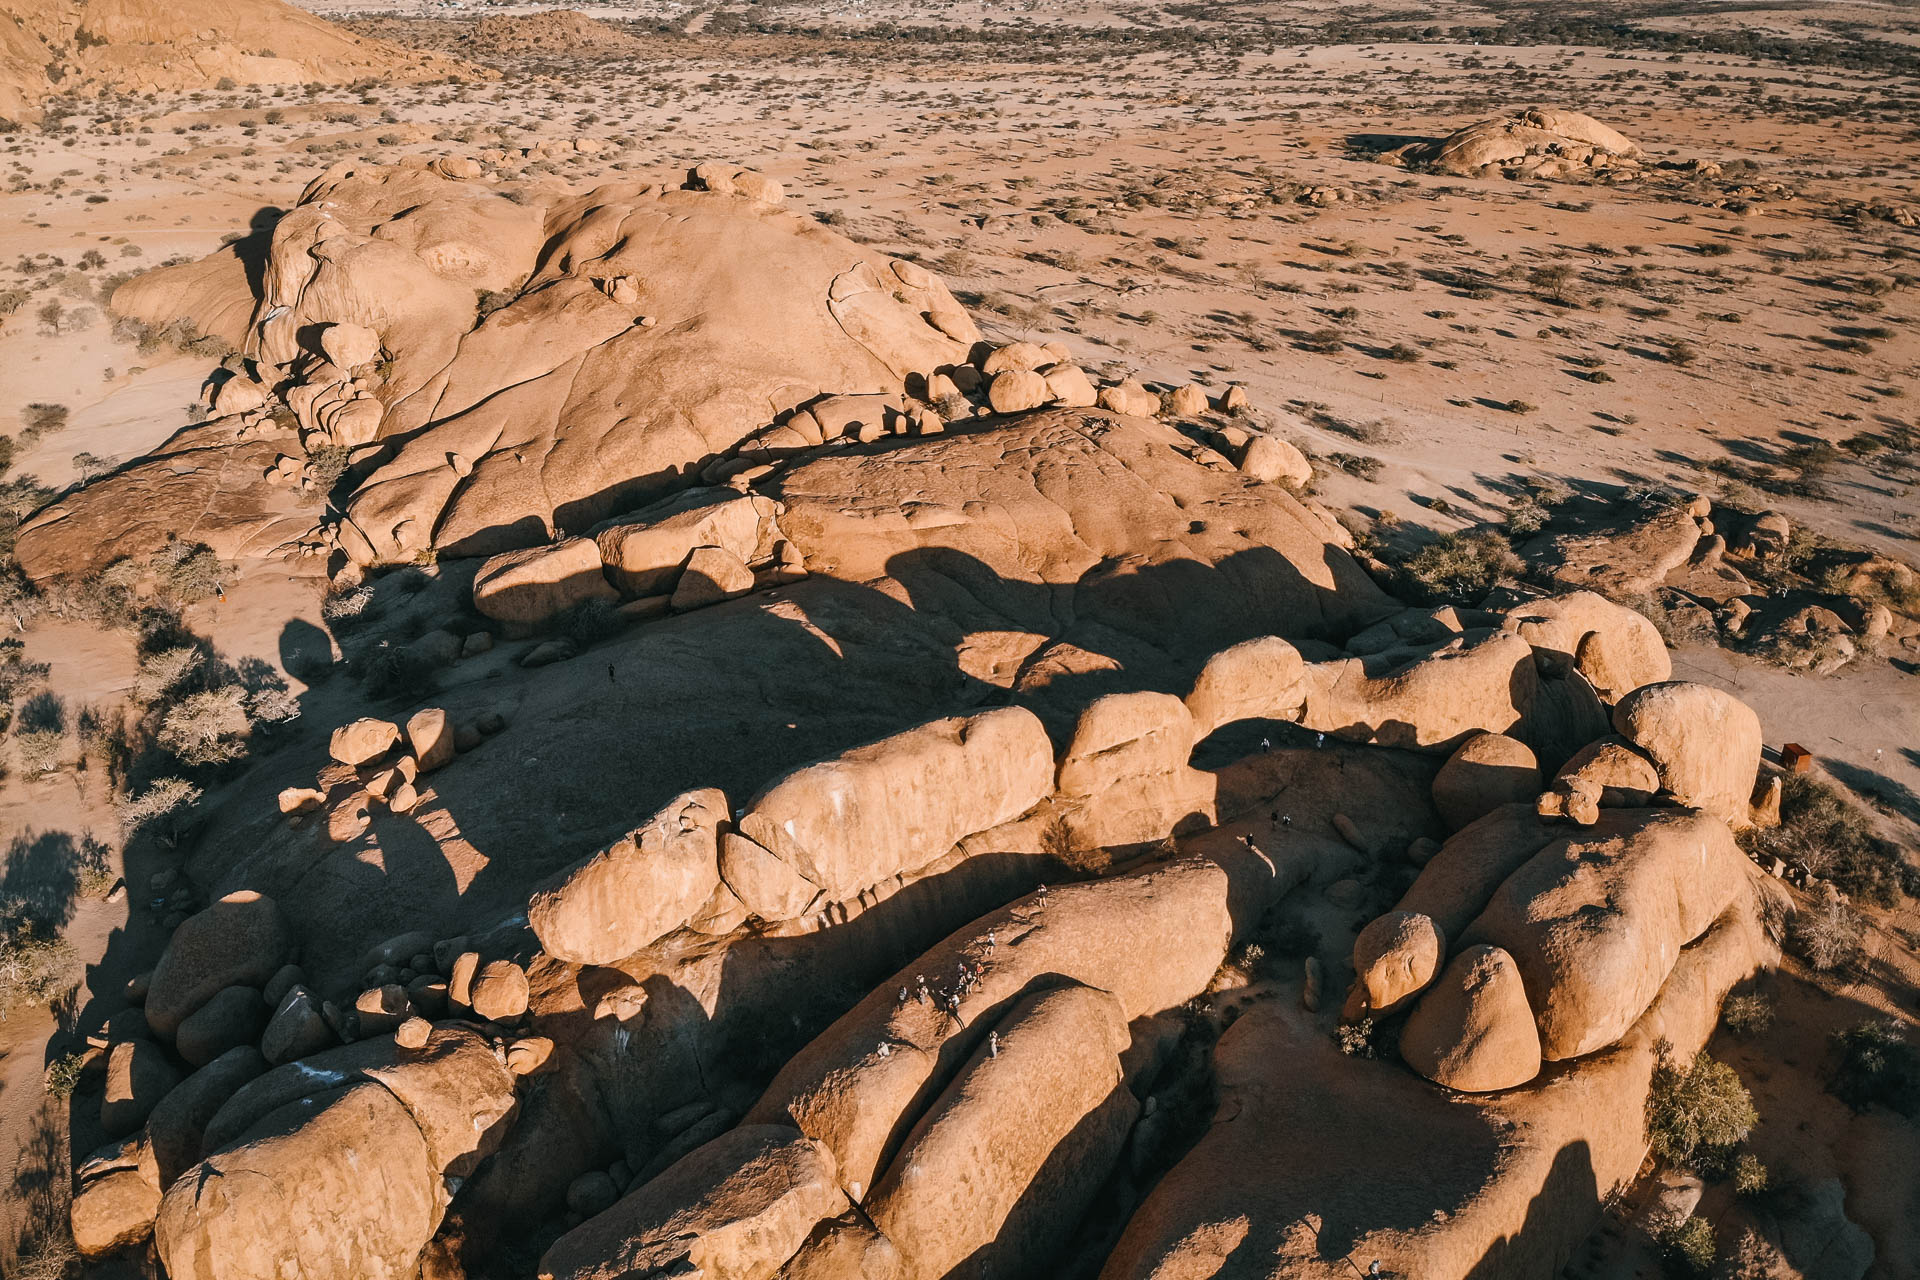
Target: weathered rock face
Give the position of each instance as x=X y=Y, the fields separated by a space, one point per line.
x=1625 y=560
x=205 y=478
x=1124 y=777
x=1474 y=1031
x=238 y=941
x=739 y=1207
x=1595 y=921
x=1255 y=679
x=1486 y=771
x=1080 y=507
x=1150 y=939
x=1428 y=700
x=640 y=888
x=529 y=587
x=1458 y=881
x=338 y=1166
x=1437 y=1185
x=1012 y=1152
x=1528 y=140
x=603 y=410
x=902 y=802
x=1705 y=744
x=1394 y=958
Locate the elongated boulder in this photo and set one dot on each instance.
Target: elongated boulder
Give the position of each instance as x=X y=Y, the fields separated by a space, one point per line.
x=643 y=552
x=1704 y=742
x=641 y=887
x=1486 y=771
x=1257 y=679
x=241 y=940
x=1595 y=921
x=335 y=1186
x=1151 y=939
x=1458 y=881
x=340 y=1166
x=177 y=1127
x=899 y=803
x=526 y=588
x=1008 y=1157
x=1429 y=700
x=738 y=1207
x=1473 y=1029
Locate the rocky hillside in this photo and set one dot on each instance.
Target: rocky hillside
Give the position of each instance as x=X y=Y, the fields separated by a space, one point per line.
x=139 y=46
x=809 y=792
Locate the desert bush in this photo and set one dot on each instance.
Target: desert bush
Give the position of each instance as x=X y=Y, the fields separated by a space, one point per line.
x=1362 y=465
x=1877 y=1065
x=393 y=671
x=1747 y=1015
x=325 y=466
x=163 y=672
x=1355 y=1038
x=208 y=727
x=342 y=607
x=189 y=570
x=39 y=749
x=1526 y=516
x=50 y=1259
x=1688 y=1247
x=63 y=1073
x=35 y=961
x=1826 y=834
x=1696 y=1113
x=165 y=809
x=1750 y=1176
x=1461 y=568
x=1754 y=1259
x=1826 y=933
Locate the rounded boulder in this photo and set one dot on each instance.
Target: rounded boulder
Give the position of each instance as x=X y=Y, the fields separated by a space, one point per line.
x=1485 y=772
x=1474 y=1031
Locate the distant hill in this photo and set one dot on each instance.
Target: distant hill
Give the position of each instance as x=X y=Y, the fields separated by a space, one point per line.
x=56 y=46
x=557 y=31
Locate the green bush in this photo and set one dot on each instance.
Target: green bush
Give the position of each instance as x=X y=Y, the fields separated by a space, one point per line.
x=1750 y=1177
x=1461 y=568
x=1688 y=1247
x=63 y=1074
x=1826 y=933
x=1747 y=1015
x=1698 y=1113
x=1877 y=1065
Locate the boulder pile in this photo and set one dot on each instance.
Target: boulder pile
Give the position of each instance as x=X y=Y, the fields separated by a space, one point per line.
x=1538 y=142
x=903 y=946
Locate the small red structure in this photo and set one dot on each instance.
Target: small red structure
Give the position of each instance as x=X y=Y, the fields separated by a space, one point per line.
x=1795 y=758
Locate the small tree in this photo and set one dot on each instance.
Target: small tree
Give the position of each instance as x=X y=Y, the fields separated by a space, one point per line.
x=1695 y=1113
x=209 y=727
x=164 y=671
x=163 y=809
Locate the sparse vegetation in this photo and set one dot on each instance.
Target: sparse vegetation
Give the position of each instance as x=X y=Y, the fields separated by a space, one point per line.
x=1697 y=1113
x=1461 y=568
x=1877 y=1066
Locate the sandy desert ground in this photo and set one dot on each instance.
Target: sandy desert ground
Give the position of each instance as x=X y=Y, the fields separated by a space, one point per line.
x=1177 y=194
